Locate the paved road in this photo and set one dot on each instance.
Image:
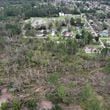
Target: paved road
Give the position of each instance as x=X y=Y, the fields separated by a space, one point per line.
x=104 y=38
x=30 y=37
x=94 y=32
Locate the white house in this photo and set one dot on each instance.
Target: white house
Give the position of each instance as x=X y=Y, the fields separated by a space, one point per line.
x=61 y=14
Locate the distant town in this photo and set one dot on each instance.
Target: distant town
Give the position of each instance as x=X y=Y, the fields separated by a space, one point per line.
x=92 y=16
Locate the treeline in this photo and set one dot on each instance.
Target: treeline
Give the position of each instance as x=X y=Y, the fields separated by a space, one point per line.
x=33 y=9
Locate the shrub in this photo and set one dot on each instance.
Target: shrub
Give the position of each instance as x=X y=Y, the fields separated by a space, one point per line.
x=106 y=69
x=31 y=104
x=16 y=105
x=53 y=79
x=54 y=97
x=87 y=93
x=93 y=104
x=61 y=91
x=4 y=106
x=59 y=95
x=62 y=94
x=57 y=107
x=89 y=99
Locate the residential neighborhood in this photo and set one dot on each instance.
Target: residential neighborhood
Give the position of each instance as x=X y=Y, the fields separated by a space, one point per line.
x=68 y=26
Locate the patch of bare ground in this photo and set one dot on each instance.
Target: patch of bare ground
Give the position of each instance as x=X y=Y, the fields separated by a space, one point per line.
x=5 y=96
x=33 y=92
x=2 y=56
x=101 y=82
x=28 y=78
x=45 y=105
x=76 y=79
x=73 y=83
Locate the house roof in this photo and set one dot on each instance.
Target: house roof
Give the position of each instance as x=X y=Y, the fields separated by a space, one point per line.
x=104 y=33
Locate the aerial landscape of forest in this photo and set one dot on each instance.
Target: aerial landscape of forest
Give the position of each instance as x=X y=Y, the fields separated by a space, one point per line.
x=54 y=54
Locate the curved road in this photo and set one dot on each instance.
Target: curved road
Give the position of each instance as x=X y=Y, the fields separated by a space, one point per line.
x=94 y=32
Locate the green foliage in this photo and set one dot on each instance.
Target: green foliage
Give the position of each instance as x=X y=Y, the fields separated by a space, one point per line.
x=53 y=78
x=71 y=46
x=78 y=36
x=30 y=55
x=4 y=106
x=65 y=46
x=87 y=93
x=2 y=17
x=31 y=104
x=13 y=28
x=72 y=21
x=1 y=81
x=105 y=52
x=2 y=43
x=32 y=8
x=86 y=37
x=86 y=56
x=12 y=11
x=53 y=96
x=62 y=94
x=89 y=99
x=57 y=107
x=93 y=104
x=16 y=105
x=107 y=67
x=50 y=10
x=59 y=95
x=61 y=91
x=28 y=26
